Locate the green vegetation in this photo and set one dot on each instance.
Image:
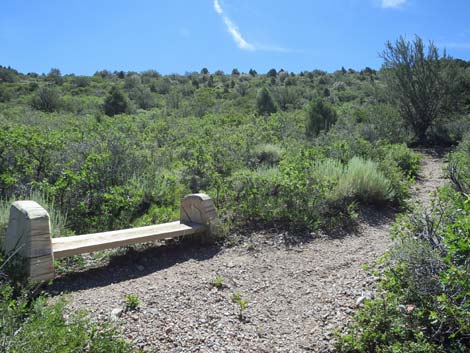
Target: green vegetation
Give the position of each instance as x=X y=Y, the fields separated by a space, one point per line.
x=305 y=150
x=363 y=181
x=423 y=303
x=242 y=304
x=320 y=116
x=34 y=327
x=459 y=167
x=132 y=302
x=264 y=102
x=121 y=149
x=218 y=282
x=116 y=102
x=426 y=86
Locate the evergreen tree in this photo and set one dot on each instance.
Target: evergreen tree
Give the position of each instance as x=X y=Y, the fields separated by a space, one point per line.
x=264 y=102
x=116 y=102
x=320 y=116
x=272 y=73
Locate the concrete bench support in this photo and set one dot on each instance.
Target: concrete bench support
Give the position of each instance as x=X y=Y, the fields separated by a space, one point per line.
x=29 y=234
x=199 y=209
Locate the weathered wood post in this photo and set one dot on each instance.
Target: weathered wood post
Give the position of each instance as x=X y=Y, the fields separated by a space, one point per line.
x=29 y=235
x=199 y=208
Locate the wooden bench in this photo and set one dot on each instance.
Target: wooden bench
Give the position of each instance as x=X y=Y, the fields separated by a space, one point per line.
x=29 y=234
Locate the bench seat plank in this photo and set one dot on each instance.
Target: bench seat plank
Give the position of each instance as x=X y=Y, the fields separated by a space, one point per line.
x=79 y=244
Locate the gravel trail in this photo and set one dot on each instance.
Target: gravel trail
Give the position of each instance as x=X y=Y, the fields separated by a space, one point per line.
x=297 y=294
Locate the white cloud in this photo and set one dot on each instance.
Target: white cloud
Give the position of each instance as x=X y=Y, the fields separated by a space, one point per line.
x=240 y=41
x=217 y=7
x=386 y=4
x=233 y=29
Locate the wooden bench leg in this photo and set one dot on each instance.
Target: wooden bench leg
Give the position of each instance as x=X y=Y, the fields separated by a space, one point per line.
x=199 y=208
x=29 y=236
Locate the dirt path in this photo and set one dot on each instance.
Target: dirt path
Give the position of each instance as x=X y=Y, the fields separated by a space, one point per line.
x=297 y=294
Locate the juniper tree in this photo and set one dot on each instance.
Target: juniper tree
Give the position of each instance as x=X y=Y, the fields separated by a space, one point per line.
x=264 y=102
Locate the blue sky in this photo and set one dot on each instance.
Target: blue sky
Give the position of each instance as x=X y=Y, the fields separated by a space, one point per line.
x=178 y=36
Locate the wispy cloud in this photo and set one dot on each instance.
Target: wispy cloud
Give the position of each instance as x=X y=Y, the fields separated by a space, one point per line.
x=233 y=29
x=218 y=8
x=392 y=4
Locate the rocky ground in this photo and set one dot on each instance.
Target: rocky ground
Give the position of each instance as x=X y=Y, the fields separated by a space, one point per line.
x=297 y=294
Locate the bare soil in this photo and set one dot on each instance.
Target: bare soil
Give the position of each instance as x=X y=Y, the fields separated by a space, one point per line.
x=298 y=294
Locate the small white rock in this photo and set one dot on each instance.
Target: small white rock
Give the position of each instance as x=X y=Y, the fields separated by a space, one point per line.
x=116 y=313
x=361 y=299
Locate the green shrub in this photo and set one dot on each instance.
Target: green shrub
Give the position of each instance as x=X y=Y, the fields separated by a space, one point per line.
x=381 y=122
x=407 y=160
x=47 y=99
x=285 y=194
x=31 y=326
x=267 y=154
x=132 y=302
x=364 y=182
x=328 y=170
x=459 y=166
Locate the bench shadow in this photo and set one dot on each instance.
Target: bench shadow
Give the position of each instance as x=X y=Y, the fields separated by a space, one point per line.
x=130 y=265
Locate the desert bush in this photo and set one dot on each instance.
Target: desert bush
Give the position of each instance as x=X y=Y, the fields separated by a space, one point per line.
x=284 y=194
x=267 y=154
x=381 y=122
x=407 y=160
x=47 y=99
x=363 y=181
x=306 y=188
x=458 y=168
x=415 y=78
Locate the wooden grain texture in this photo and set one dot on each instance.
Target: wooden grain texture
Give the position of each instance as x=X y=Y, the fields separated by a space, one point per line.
x=79 y=244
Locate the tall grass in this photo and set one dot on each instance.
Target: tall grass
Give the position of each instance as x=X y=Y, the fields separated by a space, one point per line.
x=58 y=219
x=331 y=170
